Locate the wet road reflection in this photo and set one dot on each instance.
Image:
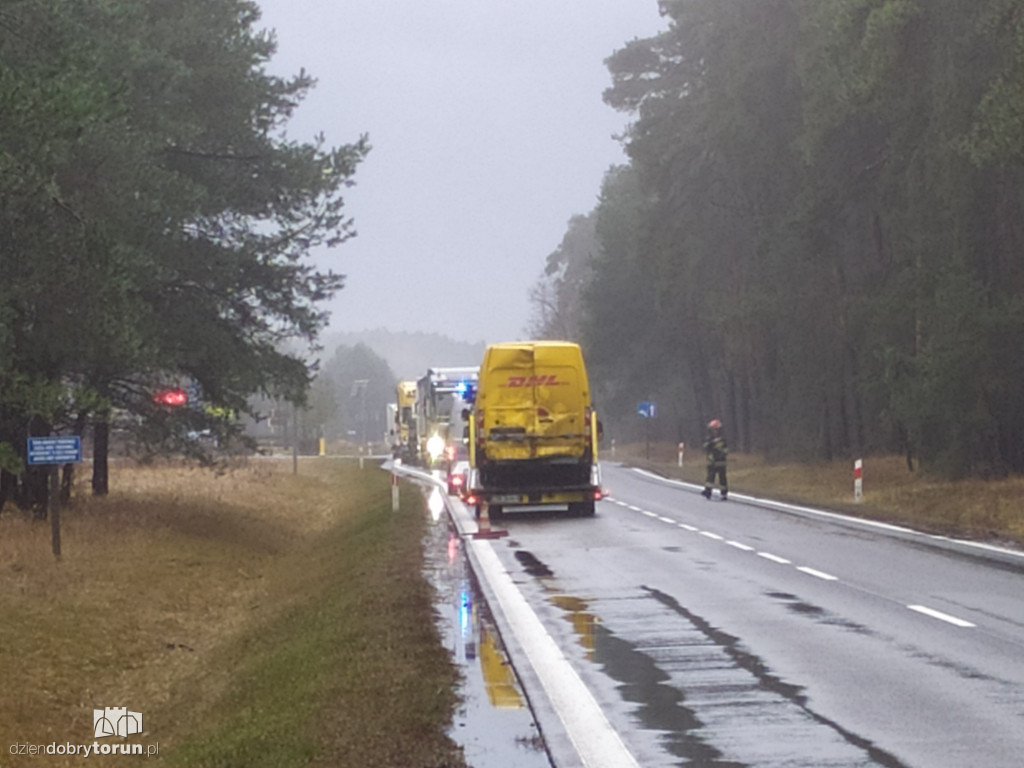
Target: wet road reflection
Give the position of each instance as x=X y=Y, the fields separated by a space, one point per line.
x=642 y=682
x=493 y=724
x=707 y=700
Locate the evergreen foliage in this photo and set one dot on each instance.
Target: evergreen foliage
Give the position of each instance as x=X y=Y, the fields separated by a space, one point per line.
x=154 y=218
x=818 y=236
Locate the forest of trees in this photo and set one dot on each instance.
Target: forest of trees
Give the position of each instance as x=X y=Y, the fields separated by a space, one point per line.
x=155 y=222
x=819 y=235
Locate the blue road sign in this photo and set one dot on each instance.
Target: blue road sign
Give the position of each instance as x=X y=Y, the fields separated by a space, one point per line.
x=62 y=449
x=647 y=410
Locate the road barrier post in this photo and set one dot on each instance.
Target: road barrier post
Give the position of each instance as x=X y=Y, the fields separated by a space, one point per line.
x=682 y=449
x=394 y=492
x=858 y=480
x=53 y=500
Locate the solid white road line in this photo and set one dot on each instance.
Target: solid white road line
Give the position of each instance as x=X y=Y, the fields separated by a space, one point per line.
x=771 y=503
x=596 y=742
x=940 y=616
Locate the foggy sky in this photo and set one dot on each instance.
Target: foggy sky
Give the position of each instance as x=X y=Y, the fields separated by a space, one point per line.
x=488 y=134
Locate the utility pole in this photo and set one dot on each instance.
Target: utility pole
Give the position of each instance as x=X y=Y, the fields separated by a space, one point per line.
x=295 y=439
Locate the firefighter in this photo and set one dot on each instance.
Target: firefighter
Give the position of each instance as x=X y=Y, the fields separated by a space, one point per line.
x=717 y=451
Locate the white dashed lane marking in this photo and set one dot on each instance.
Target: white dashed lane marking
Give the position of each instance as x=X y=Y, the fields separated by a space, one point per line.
x=817 y=574
x=940 y=616
x=783 y=561
x=774 y=558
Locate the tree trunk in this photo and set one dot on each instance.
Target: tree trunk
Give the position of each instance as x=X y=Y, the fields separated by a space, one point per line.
x=7 y=483
x=67 y=480
x=100 y=450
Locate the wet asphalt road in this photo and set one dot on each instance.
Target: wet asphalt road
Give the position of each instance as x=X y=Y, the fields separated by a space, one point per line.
x=723 y=634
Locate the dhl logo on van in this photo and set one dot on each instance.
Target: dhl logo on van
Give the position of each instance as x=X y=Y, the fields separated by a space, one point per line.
x=550 y=380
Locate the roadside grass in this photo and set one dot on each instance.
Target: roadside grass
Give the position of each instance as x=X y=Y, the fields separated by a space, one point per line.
x=982 y=510
x=255 y=618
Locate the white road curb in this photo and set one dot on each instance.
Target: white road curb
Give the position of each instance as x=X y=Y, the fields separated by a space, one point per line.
x=799 y=509
x=595 y=742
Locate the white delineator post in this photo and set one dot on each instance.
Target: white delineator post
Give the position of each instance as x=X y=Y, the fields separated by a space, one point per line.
x=394 y=492
x=682 y=449
x=858 y=480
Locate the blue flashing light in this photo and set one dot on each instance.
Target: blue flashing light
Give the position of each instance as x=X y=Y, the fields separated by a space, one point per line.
x=466 y=391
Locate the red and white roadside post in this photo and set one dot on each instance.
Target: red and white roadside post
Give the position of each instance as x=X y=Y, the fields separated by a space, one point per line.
x=858 y=480
x=394 y=492
x=682 y=450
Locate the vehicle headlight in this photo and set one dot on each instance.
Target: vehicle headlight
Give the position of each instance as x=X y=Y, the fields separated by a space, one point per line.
x=435 y=446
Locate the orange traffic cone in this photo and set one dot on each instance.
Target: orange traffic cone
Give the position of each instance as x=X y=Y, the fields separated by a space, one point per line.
x=484 y=530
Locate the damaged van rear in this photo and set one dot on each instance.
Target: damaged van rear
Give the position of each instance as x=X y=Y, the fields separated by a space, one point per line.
x=533 y=431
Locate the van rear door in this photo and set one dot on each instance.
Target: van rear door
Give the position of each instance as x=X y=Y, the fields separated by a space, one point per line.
x=536 y=398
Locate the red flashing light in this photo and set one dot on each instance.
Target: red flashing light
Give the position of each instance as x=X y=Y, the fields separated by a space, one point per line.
x=173 y=398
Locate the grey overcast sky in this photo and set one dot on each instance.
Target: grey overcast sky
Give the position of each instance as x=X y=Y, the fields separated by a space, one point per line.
x=488 y=134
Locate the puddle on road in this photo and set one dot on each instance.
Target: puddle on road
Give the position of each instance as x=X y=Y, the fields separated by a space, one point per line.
x=661 y=702
x=531 y=564
x=660 y=706
x=796 y=605
x=493 y=723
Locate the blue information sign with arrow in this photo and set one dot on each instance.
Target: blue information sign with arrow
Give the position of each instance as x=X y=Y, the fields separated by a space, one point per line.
x=646 y=409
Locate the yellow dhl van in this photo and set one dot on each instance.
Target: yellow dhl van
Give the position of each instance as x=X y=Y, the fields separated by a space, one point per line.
x=533 y=431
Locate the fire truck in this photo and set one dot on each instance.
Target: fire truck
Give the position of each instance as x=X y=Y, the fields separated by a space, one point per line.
x=440 y=402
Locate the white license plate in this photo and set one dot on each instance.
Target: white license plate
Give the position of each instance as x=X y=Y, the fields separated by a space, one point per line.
x=505 y=498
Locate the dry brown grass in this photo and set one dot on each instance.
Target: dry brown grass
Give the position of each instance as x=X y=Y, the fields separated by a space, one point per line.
x=991 y=511
x=179 y=590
